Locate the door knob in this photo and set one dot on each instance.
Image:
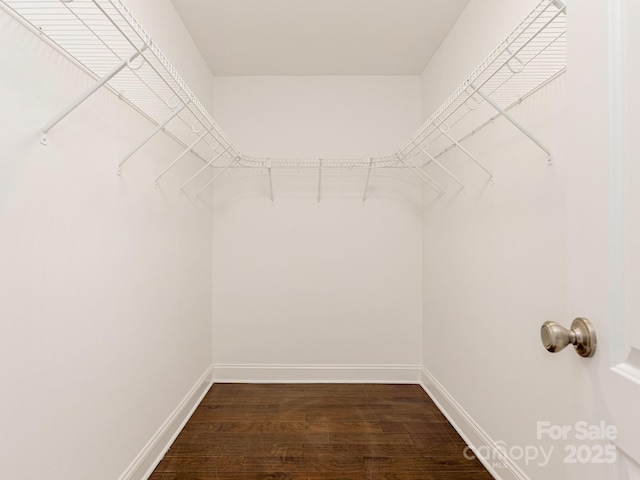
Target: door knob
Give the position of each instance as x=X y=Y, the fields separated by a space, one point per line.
x=582 y=336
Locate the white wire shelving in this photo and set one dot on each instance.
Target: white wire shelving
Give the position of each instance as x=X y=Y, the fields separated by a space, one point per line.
x=103 y=38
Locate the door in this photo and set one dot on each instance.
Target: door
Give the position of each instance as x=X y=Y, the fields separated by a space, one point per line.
x=604 y=213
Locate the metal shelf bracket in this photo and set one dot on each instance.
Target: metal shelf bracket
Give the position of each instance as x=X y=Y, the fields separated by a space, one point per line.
x=270 y=180
x=366 y=185
x=422 y=175
x=105 y=32
x=210 y=182
x=462 y=149
x=90 y=91
x=515 y=123
x=149 y=137
x=185 y=151
x=195 y=175
x=442 y=167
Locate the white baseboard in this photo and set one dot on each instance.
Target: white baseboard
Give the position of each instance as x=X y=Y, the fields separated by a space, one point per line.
x=148 y=459
x=316 y=373
x=499 y=466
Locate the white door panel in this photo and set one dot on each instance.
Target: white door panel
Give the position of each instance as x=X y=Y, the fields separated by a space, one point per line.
x=604 y=211
x=622 y=380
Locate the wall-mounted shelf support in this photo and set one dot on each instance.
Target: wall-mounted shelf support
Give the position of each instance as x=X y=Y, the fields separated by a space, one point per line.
x=150 y=136
x=97 y=34
x=270 y=181
x=464 y=150
x=442 y=167
x=195 y=175
x=186 y=150
x=515 y=123
x=366 y=185
x=210 y=182
x=422 y=175
x=93 y=89
x=319 y=178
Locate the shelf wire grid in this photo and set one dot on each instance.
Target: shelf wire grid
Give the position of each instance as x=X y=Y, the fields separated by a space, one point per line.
x=99 y=34
x=532 y=54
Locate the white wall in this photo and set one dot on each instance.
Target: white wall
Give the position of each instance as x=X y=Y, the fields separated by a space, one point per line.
x=495 y=261
x=299 y=283
x=106 y=283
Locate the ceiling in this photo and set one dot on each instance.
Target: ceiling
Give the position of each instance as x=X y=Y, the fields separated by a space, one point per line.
x=318 y=37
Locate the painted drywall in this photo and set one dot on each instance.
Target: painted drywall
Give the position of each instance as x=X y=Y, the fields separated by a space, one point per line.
x=495 y=263
x=106 y=282
x=302 y=283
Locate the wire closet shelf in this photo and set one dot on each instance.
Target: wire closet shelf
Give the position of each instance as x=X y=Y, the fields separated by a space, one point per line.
x=105 y=39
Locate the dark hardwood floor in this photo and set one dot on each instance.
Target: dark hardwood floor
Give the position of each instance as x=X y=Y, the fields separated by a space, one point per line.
x=318 y=431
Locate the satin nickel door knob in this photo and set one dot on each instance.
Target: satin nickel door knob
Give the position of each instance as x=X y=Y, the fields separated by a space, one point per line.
x=582 y=336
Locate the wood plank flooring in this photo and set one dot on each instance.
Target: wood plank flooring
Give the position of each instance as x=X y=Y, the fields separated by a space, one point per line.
x=318 y=432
